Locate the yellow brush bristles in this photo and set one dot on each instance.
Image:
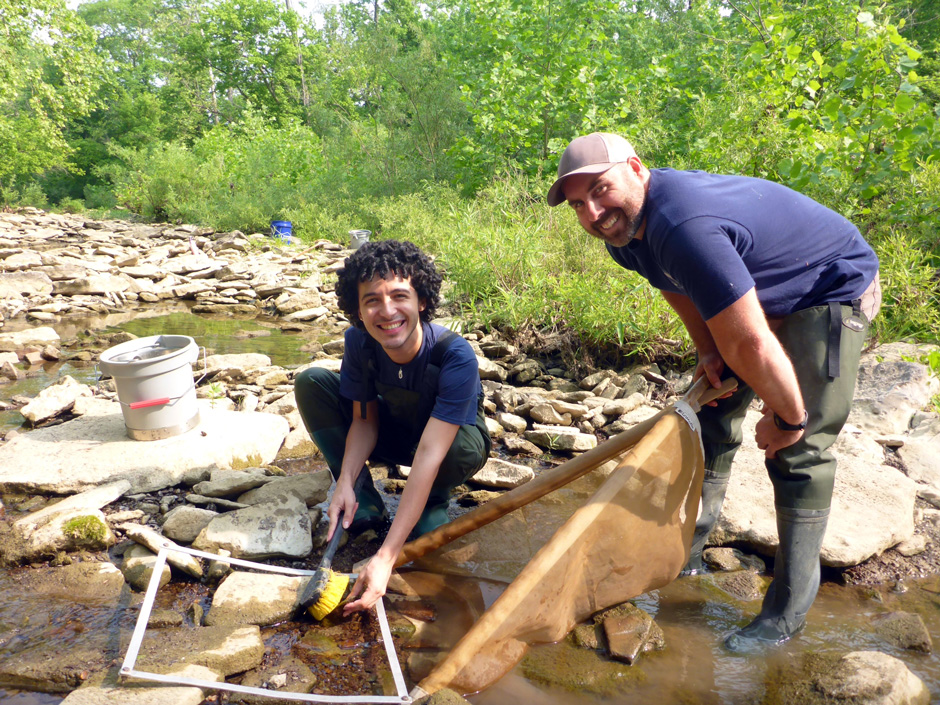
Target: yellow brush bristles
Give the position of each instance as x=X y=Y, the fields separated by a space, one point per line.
x=330 y=597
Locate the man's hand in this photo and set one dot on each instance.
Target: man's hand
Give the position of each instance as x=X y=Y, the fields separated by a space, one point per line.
x=711 y=365
x=370 y=585
x=344 y=500
x=769 y=438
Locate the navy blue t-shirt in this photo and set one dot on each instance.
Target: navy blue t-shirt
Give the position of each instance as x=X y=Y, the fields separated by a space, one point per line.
x=713 y=237
x=459 y=385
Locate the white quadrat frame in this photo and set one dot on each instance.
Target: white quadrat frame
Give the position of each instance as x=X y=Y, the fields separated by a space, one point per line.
x=133 y=649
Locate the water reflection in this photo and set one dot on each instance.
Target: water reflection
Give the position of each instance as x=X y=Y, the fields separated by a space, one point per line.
x=218 y=334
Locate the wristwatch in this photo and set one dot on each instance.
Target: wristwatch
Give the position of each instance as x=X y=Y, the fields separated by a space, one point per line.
x=784 y=426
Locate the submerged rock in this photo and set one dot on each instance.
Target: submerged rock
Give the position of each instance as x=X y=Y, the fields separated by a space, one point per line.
x=859 y=677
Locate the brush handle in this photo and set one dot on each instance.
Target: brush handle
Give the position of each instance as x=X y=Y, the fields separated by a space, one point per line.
x=333 y=544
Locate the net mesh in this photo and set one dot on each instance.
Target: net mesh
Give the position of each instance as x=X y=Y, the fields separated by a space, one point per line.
x=630 y=533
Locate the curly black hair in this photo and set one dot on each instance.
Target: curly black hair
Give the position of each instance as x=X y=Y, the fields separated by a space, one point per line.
x=388 y=258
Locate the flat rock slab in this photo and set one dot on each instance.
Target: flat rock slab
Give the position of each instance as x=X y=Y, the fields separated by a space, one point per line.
x=254 y=598
x=94 y=449
x=872 y=503
x=144 y=693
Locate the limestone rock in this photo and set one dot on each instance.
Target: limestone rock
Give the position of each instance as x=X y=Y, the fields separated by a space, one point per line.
x=502 y=474
x=859 y=677
x=184 y=523
x=55 y=399
x=872 y=505
x=30 y=336
x=278 y=527
x=228 y=483
x=559 y=440
x=254 y=598
x=138 y=566
x=311 y=488
x=904 y=630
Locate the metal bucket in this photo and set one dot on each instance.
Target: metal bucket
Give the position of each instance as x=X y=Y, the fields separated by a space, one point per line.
x=358 y=238
x=154 y=380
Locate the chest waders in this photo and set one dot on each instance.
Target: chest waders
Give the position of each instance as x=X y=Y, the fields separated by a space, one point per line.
x=824 y=345
x=403 y=416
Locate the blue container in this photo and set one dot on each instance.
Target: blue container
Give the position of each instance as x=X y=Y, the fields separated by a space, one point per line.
x=281 y=230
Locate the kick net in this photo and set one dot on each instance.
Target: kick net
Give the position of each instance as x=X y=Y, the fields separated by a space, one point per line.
x=631 y=534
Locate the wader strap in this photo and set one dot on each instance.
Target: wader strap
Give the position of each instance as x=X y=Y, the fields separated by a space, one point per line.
x=835 y=337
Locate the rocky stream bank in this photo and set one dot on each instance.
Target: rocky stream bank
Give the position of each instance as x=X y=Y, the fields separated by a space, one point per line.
x=86 y=508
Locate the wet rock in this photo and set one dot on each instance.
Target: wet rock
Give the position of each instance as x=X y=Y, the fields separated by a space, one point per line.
x=184 y=523
x=582 y=671
x=55 y=399
x=904 y=630
x=138 y=566
x=291 y=675
x=255 y=598
x=442 y=697
x=89 y=581
x=502 y=474
x=728 y=559
x=227 y=650
x=113 y=692
x=279 y=527
x=859 y=677
x=476 y=498
x=742 y=585
x=587 y=636
x=311 y=488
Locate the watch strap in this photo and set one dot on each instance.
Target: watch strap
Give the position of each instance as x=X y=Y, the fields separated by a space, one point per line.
x=784 y=426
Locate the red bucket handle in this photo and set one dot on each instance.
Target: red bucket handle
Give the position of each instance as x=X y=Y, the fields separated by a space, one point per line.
x=150 y=402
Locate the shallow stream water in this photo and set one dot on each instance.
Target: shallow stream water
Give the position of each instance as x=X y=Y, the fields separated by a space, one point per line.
x=693 y=668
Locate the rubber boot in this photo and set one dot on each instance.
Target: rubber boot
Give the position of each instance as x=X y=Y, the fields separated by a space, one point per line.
x=433 y=516
x=371 y=513
x=795 y=583
x=713 y=496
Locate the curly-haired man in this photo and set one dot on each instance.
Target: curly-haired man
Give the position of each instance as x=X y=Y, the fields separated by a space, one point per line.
x=408 y=393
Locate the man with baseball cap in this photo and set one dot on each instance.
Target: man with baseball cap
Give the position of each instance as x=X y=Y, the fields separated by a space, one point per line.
x=775 y=290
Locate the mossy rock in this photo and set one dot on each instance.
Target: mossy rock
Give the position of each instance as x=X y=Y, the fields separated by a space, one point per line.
x=564 y=666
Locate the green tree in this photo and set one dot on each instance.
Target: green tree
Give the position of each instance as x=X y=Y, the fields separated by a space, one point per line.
x=48 y=73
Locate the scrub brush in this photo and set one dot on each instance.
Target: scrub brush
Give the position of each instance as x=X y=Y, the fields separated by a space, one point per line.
x=325 y=590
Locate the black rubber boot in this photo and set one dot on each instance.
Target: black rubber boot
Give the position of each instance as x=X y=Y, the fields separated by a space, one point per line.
x=795 y=583
x=713 y=496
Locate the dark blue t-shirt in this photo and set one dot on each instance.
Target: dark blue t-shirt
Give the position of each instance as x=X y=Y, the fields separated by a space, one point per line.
x=459 y=385
x=713 y=237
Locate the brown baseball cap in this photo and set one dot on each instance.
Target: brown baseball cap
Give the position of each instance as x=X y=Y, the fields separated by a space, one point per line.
x=591 y=154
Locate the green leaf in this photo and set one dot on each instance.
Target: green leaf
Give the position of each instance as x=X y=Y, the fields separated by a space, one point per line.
x=903 y=102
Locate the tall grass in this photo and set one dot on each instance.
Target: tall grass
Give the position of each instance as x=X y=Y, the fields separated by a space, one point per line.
x=511 y=261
